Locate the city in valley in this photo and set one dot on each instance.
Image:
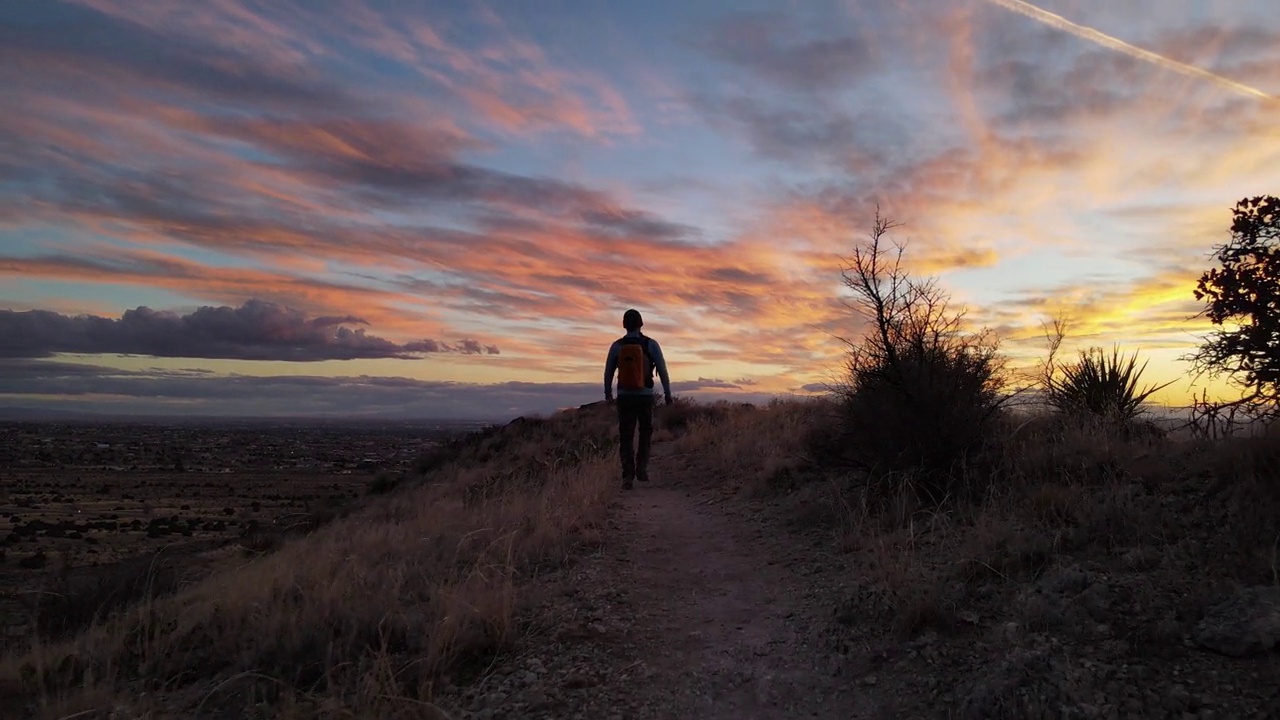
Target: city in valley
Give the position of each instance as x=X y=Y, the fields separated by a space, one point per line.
x=97 y=515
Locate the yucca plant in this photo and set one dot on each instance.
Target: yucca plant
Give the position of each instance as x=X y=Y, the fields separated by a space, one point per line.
x=1100 y=386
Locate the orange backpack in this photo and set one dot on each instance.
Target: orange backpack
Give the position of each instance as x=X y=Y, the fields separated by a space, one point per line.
x=635 y=366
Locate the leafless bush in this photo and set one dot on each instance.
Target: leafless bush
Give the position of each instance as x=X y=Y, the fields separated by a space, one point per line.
x=921 y=394
x=1221 y=419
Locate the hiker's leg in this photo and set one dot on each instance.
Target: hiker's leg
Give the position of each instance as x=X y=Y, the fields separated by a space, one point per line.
x=645 y=418
x=626 y=431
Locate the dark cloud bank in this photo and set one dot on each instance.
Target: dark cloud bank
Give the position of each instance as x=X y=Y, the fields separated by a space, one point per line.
x=31 y=385
x=33 y=388
x=257 y=330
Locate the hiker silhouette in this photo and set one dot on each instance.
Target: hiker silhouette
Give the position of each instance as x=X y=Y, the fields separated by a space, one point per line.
x=635 y=357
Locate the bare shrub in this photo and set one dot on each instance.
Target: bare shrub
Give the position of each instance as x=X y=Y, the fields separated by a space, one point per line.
x=1213 y=419
x=921 y=393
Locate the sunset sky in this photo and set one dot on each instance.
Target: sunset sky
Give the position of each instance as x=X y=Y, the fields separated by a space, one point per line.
x=441 y=209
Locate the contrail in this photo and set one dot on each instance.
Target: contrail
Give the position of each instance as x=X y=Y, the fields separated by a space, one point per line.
x=1088 y=33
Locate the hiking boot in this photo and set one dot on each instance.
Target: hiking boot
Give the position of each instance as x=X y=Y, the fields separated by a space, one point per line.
x=643 y=477
x=626 y=483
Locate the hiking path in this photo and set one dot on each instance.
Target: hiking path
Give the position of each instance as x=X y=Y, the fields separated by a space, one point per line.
x=693 y=606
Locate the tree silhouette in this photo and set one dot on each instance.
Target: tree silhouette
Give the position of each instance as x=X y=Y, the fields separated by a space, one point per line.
x=1243 y=301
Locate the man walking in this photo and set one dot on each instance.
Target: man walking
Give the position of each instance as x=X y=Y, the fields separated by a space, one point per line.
x=634 y=357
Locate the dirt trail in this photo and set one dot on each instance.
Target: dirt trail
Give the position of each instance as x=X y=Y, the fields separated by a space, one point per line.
x=692 y=607
x=720 y=615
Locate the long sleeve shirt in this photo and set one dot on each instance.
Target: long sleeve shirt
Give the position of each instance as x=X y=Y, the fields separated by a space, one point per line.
x=659 y=364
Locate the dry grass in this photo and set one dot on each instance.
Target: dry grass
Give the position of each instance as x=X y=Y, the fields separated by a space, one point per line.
x=1246 y=472
x=363 y=617
x=747 y=449
x=1058 y=494
x=1079 y=496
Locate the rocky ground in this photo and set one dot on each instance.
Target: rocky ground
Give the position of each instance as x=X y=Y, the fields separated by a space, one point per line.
x=698 y=605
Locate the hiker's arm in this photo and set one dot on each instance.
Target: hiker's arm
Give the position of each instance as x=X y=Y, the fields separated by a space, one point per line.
x=660 y=363
x=610 y=367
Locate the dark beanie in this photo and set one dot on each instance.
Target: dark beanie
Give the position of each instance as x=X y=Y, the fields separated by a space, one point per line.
x=631 y=319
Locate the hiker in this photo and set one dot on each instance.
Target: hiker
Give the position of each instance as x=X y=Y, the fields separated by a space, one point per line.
x=634 y=357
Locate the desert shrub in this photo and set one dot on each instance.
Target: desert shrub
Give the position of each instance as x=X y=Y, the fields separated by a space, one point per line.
x=1099 y=387
x=927 y=411
x=921 y=395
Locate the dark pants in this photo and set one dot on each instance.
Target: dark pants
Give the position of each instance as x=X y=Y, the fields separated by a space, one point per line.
x=633 y=410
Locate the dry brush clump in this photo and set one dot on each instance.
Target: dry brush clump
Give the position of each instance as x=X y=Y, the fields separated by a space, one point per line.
x=921 y=394
x=363 y=617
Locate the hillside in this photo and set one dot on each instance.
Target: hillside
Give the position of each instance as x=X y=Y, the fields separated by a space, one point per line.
x=509 y=576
